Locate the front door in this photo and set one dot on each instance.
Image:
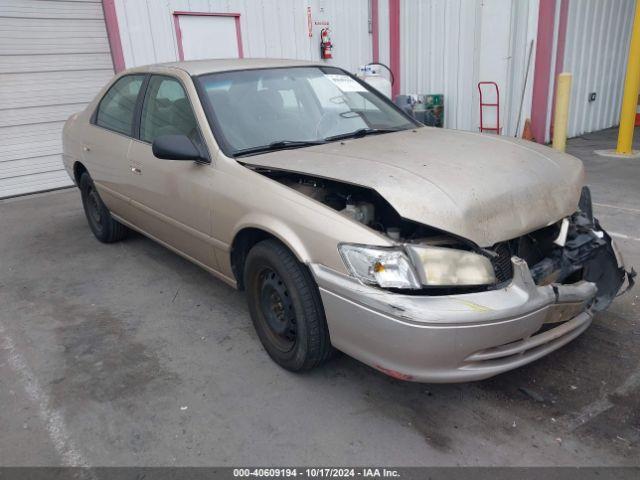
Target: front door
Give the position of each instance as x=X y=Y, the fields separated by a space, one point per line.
x=172 y=199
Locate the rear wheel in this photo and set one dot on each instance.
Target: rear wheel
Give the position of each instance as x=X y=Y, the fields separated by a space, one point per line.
x=285 y=307
x=102 y=224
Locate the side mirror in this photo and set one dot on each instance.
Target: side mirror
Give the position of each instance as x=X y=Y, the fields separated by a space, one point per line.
x=176 y=147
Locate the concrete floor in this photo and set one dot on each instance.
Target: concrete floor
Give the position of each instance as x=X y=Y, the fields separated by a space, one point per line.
x=126 y=354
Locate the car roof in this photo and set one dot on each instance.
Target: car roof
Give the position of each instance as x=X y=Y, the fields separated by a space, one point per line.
x=200 y=67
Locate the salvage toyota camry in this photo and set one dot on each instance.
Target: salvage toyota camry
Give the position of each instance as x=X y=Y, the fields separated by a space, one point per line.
x=431 y=255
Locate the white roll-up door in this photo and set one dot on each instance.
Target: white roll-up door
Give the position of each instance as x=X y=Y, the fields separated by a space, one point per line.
x=54 y=57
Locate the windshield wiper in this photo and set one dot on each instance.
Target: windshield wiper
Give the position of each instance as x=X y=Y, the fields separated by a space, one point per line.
x=279 y=145
x=362 y=132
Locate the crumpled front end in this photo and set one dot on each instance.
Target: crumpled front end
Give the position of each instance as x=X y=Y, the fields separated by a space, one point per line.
x=573 y=249
x=549 y=285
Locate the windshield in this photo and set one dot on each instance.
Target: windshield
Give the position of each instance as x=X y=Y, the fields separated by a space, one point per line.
x=269 y=109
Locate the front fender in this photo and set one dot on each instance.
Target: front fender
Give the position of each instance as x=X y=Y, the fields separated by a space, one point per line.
x=277 y=228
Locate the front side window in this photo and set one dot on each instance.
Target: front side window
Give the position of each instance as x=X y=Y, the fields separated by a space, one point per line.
x=255 y=108
x=116 y=108
x=166 y=111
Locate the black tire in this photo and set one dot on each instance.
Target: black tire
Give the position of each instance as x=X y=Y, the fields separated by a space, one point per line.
x=102 y=224
x=286 y=308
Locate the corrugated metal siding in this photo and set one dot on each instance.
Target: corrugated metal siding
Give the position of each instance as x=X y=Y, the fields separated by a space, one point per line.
x=524 y=30
x=270 y=28
x=383 y=31
x=54 y=57
x=447 y=46
x=437 y=39
x=598 y=33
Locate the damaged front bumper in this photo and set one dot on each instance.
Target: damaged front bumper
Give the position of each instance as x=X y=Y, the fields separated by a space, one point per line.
x=456 y=338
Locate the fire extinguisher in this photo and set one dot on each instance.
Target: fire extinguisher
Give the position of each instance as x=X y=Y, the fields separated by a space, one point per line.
x=325 y=44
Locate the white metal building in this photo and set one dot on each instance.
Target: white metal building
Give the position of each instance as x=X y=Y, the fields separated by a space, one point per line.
x=56 y=54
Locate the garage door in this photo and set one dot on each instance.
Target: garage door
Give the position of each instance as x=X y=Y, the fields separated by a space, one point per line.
x=54 y=57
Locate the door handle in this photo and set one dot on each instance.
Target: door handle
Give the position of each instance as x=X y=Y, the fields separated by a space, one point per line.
x=86 y=148
x=136 y=170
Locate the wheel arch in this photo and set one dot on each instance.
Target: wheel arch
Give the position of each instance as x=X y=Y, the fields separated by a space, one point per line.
x=78 y=170
x=249 y=234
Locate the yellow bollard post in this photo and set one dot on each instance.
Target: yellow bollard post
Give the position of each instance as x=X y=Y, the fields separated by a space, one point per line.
x=561 y=113
x=631 y=87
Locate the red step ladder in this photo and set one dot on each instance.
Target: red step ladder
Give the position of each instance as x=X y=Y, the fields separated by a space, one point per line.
x=483 y=128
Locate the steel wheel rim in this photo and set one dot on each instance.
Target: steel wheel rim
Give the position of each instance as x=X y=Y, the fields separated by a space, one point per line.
x=93 y=208
x=277 y=311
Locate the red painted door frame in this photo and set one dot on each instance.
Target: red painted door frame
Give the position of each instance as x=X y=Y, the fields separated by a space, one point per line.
x=113 y=34
x=394 y=45
x=542 y=78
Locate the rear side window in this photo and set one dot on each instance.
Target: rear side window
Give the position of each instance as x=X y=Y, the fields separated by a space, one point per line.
x=166 y=111
x=116 y=108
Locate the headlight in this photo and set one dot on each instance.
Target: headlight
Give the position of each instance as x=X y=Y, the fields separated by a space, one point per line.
x=438 y=266
x=385 y=267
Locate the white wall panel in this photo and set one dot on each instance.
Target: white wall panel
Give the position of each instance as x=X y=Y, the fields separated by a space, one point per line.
x=270 y=28
x=448 y=46
x=596 y=50
x=221 y=33
x=524 y=29
x=383 y=31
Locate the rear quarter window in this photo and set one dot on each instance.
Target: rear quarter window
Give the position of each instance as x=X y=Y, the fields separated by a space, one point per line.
x=115 y=111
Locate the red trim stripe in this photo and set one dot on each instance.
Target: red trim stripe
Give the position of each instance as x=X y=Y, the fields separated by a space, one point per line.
x=239 y=37
x=113 y=34
x=206 y=14
x=176 y=25
x=394 y=44
x=542 y=75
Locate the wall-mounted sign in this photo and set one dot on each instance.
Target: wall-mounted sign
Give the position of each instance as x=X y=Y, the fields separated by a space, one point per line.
x=309 y=22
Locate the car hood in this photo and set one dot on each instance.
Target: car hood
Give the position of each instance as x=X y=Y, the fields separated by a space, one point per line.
x=485 y=188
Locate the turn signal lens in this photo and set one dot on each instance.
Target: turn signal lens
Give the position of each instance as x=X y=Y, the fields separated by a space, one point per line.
x=385 y=267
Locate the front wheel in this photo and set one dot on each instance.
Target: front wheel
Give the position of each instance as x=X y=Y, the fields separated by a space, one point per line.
x=285 y=307
x=102 y=224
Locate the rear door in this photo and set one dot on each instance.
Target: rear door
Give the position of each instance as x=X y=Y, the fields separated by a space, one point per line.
x=107 y=141
x=171 y=199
